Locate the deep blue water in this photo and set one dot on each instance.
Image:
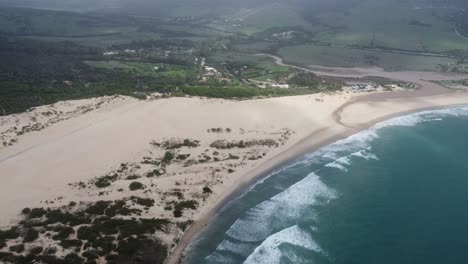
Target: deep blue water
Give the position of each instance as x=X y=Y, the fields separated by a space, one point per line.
x=397 y=193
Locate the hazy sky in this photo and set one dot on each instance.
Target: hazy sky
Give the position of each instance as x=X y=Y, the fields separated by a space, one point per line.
x=158 y=6
x=143 y=5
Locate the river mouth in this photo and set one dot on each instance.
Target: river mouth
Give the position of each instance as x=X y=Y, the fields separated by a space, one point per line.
x=417 y=77
x=392 y=194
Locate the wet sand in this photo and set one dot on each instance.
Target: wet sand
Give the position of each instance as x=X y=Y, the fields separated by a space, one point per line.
x=357 y=114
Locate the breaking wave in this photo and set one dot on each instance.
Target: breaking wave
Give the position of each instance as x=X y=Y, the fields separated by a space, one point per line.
x=258 y=223
x=258 y=234
x=269 y=253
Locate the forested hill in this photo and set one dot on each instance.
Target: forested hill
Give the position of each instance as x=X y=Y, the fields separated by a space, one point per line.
x=137 y=47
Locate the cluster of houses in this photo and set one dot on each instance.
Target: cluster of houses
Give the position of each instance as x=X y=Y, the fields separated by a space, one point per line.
x=125 y=51
x=211 y=71
x=284 y=35
x=363 y=87
x=271 y=84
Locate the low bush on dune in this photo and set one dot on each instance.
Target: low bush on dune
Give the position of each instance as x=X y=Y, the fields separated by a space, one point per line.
x=136 y=186
x=31 y=235
x=36 y=250
x=207 y=190
x=133 y=177
x=147 y=202
x=71 y=243
x=11 y=233
x=178 y=213
x=37 y=213
x=100 y=234
x=183 y=225
x=168 y=157
x=181 y=206
x=63 y=232
x=105 y=181
x=17 y=248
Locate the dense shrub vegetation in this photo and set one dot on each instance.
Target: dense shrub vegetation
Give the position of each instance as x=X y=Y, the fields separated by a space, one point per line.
x=102 y=232
x=136 y=186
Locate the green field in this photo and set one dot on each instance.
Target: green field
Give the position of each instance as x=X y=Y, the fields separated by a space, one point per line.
x=393 y=26
x=252 y=47
x=99 y=41
x=255 y=20
x=367 y=23
x=346 y=57
x=253 y=67
x=95 y=30
x=63 y=24
x=455 y=85
x=143 y=69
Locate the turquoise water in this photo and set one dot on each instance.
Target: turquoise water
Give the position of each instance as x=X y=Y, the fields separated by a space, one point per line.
x=397 y=193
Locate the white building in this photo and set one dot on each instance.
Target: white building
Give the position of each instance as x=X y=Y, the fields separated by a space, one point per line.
x=210 y=71
x=278 y=85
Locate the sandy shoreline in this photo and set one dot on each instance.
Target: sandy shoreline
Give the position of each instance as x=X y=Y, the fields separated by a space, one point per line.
x=307 y=145
x=84 y=147
x=357 y=114
x=51 y=152
x=263 y=170
x=95 y=156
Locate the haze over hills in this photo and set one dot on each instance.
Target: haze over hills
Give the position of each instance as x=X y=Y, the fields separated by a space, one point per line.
x=169 y=7
x=329 y=33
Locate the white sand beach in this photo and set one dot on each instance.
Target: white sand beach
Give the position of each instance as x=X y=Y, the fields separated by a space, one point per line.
x=77 y=141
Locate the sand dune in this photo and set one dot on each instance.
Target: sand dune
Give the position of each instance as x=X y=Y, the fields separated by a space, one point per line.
x=39 y=167
x=41 y=164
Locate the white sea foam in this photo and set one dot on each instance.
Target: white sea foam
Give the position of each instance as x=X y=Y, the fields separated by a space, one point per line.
x=270 y=253
x=425 y=116
x=356 y=143
x=297 y=164
x=365 y=155
x=282 y=210
x=362 y=139
x=338 y=151
x=344 y=160
x=233 y=247
x=337 y=166
x=409 y=120
x=330 y=155
x=292 y=203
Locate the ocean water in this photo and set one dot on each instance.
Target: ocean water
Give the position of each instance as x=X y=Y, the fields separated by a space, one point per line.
x=396 y=193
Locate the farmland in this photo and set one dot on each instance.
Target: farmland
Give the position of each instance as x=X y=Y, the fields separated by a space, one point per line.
x=142 y=69
x=351 y=57
x=78 y=55
x=400 y=27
